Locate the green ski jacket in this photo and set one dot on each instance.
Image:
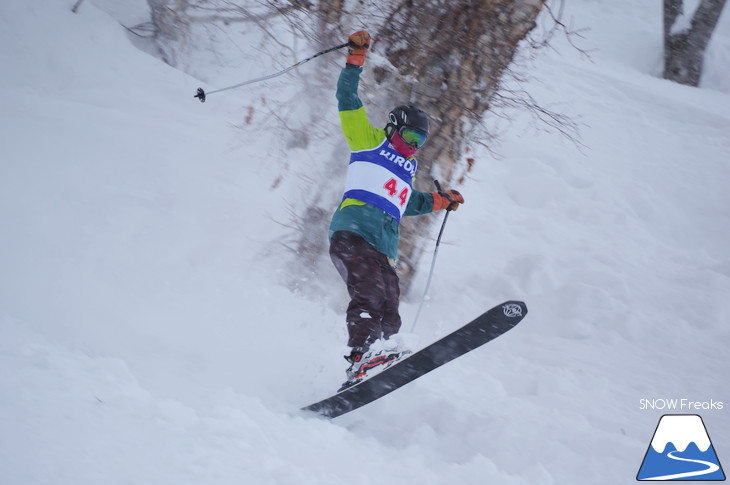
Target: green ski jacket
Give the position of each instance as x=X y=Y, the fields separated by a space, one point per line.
x=376 y=226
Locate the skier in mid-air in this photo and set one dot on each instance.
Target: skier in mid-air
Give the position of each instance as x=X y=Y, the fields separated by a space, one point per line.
x=378 y=191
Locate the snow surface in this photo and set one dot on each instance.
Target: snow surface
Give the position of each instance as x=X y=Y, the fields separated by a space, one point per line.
x=154 y=329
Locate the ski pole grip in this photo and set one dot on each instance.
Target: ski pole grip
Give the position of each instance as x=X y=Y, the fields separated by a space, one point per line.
x=350 y=43
x=200 y=94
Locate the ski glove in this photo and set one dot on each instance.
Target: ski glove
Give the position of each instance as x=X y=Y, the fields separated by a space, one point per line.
x=358 y=44
x=449 y=200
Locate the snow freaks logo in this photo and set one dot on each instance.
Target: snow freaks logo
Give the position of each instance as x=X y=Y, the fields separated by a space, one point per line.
x=680 y=450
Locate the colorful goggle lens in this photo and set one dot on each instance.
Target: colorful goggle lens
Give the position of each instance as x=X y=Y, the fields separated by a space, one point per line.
x=412 y=136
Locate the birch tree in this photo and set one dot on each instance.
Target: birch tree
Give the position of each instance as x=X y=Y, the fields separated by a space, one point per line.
x=686 y=36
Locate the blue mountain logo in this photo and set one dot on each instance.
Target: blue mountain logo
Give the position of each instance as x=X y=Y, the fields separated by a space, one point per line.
x=681 y=450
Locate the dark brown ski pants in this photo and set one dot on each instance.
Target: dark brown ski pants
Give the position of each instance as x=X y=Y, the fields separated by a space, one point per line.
x=373 y=286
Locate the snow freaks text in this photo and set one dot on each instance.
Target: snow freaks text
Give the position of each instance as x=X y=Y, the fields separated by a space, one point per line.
x=679 y=404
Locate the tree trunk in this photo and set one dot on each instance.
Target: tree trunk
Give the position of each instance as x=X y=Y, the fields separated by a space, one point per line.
x=685 y=42
x=449 y=58
x=446 y=57
x=171 y=27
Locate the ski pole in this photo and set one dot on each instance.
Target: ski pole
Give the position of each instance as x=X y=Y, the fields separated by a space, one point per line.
x=202 y=94
x=435 y=253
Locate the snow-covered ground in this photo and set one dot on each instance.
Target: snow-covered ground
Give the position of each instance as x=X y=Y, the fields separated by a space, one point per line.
x=149 y=333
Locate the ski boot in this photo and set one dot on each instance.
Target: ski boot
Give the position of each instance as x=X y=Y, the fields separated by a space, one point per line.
x=361 y=361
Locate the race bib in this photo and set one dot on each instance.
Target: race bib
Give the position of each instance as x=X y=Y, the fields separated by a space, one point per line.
x=381 y=177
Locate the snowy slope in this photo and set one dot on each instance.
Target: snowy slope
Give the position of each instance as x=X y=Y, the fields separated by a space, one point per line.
x=148 y=333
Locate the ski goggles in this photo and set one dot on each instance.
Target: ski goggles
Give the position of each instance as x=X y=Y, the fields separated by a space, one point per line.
x=412 y=136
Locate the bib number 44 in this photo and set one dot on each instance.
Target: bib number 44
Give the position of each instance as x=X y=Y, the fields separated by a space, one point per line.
x=392 y=187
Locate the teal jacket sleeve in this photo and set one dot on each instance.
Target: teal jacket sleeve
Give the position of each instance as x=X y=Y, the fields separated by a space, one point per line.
x=419 y=203
x=347 y=98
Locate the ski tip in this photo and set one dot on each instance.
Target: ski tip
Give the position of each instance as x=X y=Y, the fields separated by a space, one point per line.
x=513 y=309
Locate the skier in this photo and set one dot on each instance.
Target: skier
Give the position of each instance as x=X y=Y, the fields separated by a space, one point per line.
x=378 y=191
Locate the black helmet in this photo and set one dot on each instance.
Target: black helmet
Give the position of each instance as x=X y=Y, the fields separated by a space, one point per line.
x=406 y=116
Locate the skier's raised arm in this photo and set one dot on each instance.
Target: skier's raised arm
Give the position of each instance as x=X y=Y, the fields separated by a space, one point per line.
x=358 y=131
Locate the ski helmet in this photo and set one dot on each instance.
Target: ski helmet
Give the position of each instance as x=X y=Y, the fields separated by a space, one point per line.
x=406 y=115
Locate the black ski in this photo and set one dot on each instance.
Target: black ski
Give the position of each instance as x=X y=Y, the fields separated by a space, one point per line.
x=476 y=333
